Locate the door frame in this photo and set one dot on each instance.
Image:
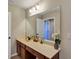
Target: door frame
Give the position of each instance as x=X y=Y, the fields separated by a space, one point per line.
x=9 y=35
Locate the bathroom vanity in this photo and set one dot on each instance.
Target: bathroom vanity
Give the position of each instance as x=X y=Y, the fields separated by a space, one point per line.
x=35 y=50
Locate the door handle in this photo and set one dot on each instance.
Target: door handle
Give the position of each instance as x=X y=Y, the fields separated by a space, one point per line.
x=9 y=37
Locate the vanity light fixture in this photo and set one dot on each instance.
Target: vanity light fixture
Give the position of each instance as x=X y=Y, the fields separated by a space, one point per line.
x=34 y=9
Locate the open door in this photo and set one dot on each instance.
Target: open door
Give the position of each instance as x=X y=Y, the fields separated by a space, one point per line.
x=9 y=35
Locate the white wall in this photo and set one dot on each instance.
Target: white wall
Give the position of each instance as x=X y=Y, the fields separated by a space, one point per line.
x=30 y=25
x=65 y=29
x=17 y=25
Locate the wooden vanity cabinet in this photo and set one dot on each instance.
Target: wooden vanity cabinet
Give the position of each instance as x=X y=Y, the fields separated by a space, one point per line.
x=26 y=52
x=22 y=52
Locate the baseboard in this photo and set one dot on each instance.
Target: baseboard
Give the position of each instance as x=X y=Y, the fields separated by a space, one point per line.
x=14 y=54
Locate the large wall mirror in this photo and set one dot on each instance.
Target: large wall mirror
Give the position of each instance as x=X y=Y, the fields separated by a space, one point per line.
x=45 y=24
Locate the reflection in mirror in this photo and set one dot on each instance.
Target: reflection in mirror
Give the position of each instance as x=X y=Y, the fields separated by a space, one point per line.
x=45 y=28
x=45 y=24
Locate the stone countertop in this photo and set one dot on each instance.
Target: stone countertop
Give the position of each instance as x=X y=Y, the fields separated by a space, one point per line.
x=43 y=49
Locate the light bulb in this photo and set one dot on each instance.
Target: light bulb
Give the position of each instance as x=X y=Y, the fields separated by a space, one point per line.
x=33 y=9
x=30 y=10
x=37 y=6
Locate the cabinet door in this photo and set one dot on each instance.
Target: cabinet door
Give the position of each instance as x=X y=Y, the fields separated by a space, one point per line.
x=56 y=56
x=23 y=51
x=29 y=55
x=18 y=48
x=23 y=56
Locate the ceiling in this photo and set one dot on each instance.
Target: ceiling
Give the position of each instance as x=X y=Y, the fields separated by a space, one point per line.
x=23 y=3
